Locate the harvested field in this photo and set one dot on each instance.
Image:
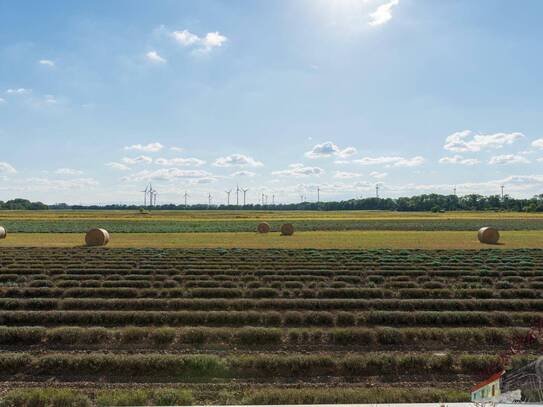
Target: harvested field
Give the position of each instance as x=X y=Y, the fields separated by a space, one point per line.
x=300 y=240
x=263 y=326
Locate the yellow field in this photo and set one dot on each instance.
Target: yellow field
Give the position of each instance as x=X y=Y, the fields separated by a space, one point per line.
x=316 y=240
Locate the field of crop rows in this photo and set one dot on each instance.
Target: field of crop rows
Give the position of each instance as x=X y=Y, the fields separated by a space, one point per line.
x=265 y=326
x=175 y=226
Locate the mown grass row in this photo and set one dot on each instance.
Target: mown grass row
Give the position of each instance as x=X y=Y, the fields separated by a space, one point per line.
x=291 y=304
x=62 y=397
x=189 y=368
x=322 y=293
x=268 y=318
x=149 y=337
x=155 y=226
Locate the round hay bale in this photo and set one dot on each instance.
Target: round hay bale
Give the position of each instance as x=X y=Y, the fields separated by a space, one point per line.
x=488 y=235
x=287 y=229
x=3 y=233
x=97 y=237
x=263 y=227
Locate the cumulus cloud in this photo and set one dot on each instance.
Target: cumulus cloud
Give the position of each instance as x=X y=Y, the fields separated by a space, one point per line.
x=329 y=149
x=538 y=143
x=383 y=13
x=19 y=91
x=2 y=100
x=202 y=44
x=299 y=170
x=183 y=162
x=148 y=148
x=142 y=159
x=393 y=161
x=378 y=175
x=154 y=57
x=508 y=159
x=168 y=174
x=6 y=168
x=68 y=171
x=118 y=166
x=237 y=160
x=466 y=140
x=177 y=149
x=458 y=159
x=346 y=174
x=46 y=62
x=243 y=174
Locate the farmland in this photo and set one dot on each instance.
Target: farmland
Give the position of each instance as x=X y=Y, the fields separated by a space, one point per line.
x=262 y=326
x=232 y=221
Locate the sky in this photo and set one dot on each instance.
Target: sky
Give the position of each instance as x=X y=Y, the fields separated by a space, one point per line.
x=281 y=97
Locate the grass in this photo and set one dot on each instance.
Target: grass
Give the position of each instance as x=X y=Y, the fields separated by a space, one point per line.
x=300 y=240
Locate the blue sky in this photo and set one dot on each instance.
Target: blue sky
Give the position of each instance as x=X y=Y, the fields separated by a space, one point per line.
x=97 y=99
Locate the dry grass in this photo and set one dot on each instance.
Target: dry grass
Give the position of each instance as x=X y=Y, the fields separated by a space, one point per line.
x=316 y=240
x=257 y=215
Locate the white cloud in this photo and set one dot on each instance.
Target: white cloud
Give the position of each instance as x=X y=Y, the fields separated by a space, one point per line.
x=538 y=143
x=378 y=175
x=394 y=161
x=243 y=174
x=508 y=159
x=207 y=180
x=463 y=141
x=155 y=58
x=148 y=148
x=185 y=37
x=458 y=159
x=383 y=14
x=2 y=100
x=68 y=171
x=50 y=99
x=299 y=170
x=6 y=168
x=168 y=174
x=203 y=44
x=45 y=184
x=328 y=149
x=346 y=175
x=172 y=162
x=177 y=149
x=238 y=160
x=46 y=62
x=142 y=159
x=213 y=40
x=19 y=91
x=118 y=166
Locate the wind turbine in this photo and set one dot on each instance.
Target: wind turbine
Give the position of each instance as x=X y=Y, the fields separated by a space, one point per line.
x=262 y=199
x=377 y=186
x=273 y=199
x=145 y=195
x=151 y=192
x=155 y=195
x=237 y=195
x=244 y=195
x=318 y=194
x=228 y=195
x=209 y=197
x=185 y=196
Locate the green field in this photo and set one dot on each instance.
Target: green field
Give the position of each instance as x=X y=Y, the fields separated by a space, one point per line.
x=241 y=221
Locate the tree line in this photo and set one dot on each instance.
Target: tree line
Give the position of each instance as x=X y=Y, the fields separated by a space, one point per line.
x=427 y=202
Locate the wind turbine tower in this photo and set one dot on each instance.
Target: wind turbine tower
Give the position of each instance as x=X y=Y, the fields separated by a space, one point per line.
x=377 y=190
x=228 y=196
x=502 y=187
x=244 y=195
x=318 y=194
x=209 y=197
x=185 y=196
x=145 y=191
x=237 y=195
